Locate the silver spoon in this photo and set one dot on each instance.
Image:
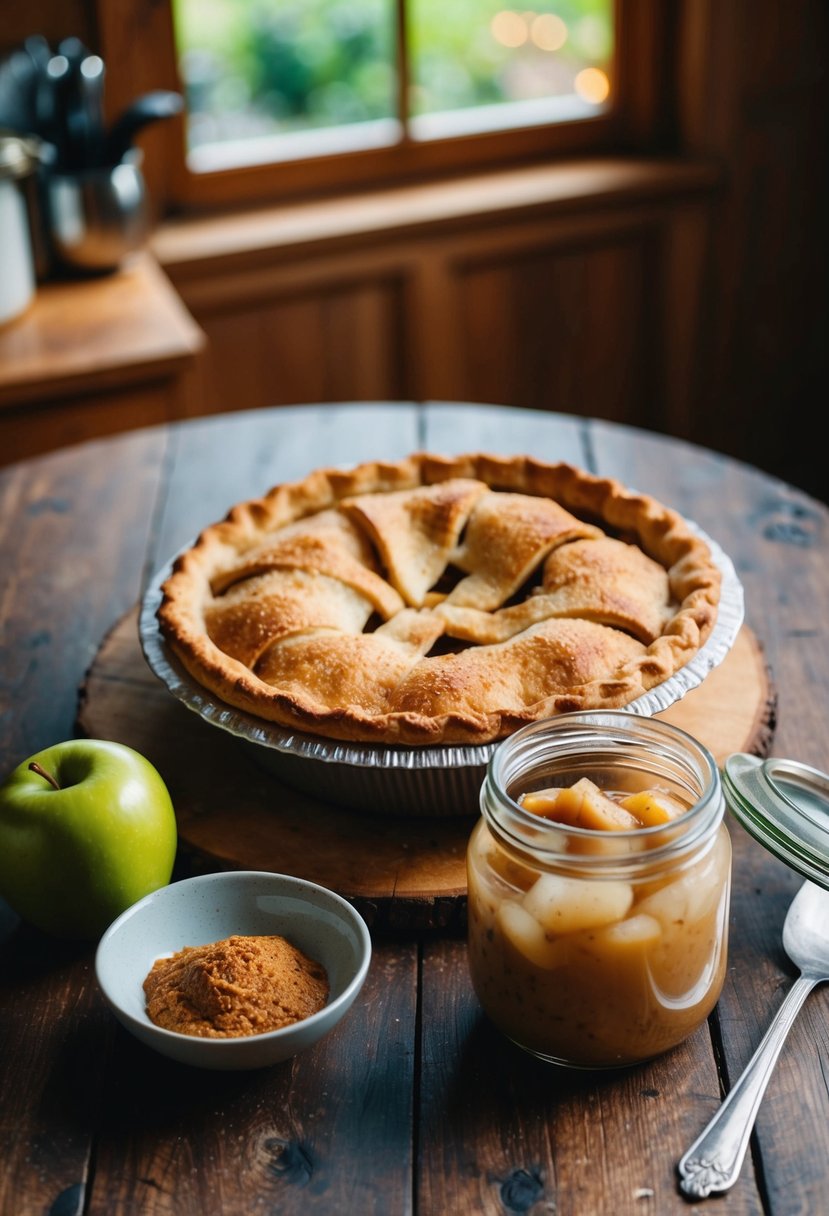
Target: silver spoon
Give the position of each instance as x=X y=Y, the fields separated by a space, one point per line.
x=714 y=1160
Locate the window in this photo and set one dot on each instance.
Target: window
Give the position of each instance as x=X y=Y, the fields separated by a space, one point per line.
x=305 y=98
x=276 y=80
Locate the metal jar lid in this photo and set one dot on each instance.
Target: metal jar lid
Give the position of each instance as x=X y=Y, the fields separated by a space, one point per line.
x=784 y=805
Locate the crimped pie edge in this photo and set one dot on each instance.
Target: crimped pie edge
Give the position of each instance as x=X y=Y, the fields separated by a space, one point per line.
x=660 y=530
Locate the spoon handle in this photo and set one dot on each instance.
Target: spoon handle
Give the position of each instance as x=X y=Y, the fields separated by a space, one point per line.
x=714 y=1160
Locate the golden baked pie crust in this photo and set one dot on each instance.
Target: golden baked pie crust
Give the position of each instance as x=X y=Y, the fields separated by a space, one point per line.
x=439 y=599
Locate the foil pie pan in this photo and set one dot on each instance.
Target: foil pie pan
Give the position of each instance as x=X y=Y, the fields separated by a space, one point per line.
x=386 y=780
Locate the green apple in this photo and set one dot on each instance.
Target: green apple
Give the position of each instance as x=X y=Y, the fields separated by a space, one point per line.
x=87 y=828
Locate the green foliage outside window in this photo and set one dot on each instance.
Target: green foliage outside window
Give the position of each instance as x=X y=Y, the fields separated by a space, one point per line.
x=255 y=67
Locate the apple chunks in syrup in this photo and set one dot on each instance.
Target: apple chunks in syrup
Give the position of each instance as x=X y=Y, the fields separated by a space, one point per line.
x=584 y=805
x=557 y=906
x=612 y=957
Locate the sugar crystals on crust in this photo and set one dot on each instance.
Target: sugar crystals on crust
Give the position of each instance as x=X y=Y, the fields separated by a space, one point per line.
x=439 y=599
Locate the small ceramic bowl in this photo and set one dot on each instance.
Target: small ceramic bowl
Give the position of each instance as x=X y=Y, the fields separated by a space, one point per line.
x=209 y=908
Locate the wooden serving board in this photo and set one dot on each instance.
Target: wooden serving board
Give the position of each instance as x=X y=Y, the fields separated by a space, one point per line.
x=402 y=873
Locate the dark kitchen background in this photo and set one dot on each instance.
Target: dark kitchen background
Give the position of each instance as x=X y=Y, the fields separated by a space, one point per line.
x=666 y=269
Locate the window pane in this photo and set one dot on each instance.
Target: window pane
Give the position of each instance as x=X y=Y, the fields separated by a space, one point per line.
x=272 y=80
x=551 y=61
x=255 y=69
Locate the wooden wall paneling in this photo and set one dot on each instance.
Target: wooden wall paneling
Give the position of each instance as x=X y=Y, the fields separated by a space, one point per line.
x=432 y=327
x=599 y=317
x=558 y=313
x=602 y=315
x=559 y=326
x=338 y=341
x=586 y=314
x=644 y=72
x=294 y=355
x=189 y=390
x=233 y=377
x=362 y=353
x=125 y=32
x=190 y=247
x=264 y=355
x=701 y=66
x=683 y=264
x=751 y=87
x=486 y=355
x=54 y=19
x=41 y=426
x=452 y=279
x=775 y=300
x=314 y=328
x=210 y=285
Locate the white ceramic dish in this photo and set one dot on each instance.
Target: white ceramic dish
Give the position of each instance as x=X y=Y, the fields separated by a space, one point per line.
x=209 y=908
x=388 y=780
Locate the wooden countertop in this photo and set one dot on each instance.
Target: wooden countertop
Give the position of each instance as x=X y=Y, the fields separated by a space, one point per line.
x=414 y=1106
x=91 y=332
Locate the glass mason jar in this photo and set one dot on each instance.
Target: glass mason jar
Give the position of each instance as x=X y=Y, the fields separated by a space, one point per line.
x=599 y=948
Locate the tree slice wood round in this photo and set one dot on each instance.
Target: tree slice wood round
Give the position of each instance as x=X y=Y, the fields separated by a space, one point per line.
x=402 y=873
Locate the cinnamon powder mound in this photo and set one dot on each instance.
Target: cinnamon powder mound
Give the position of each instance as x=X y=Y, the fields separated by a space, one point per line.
x=238 y=986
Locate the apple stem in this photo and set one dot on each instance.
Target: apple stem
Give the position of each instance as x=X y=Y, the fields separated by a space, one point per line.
x=41 y=772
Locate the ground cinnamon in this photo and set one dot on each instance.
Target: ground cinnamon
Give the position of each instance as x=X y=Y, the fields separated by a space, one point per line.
x=239 y=986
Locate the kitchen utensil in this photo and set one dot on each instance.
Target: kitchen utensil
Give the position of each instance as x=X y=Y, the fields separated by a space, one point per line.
x=150 y=107
x=74 y=50
x=18 y=88
x=37 y=47
x=76 y=99
x=91 y=75
x=54 y=105
x=97 y=216
x=58 y=95
x=714 y=1160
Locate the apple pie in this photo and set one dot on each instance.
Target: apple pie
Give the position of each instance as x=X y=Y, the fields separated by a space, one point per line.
x=439 y=599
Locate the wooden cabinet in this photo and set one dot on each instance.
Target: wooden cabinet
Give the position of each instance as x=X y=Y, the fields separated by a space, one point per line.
x=686 y=293
x=95 y=356
x=551 y=287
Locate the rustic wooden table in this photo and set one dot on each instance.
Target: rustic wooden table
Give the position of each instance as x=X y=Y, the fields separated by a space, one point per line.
x=414 y=1104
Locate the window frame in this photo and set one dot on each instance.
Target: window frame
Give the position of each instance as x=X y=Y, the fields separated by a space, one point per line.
x=138 y=35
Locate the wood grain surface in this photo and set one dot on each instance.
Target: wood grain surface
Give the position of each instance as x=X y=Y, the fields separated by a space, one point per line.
x=414 y=1105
